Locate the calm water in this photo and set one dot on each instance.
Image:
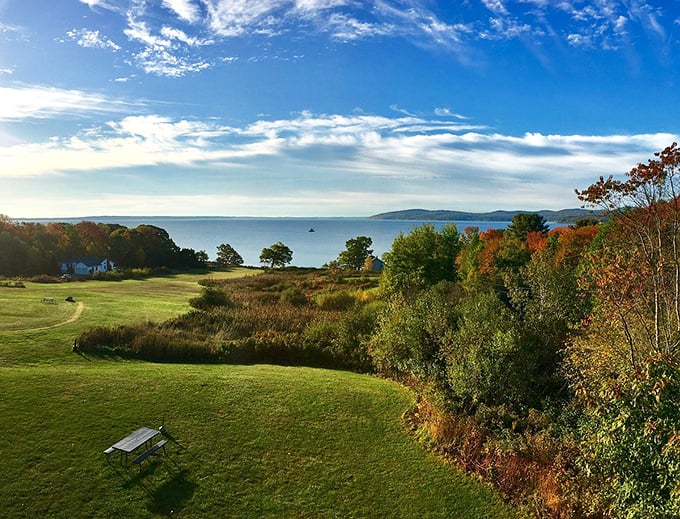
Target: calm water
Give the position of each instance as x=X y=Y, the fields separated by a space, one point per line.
x=250 y=235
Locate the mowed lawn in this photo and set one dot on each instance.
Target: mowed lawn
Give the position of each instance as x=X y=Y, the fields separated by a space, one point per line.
x=246 y=441
x=33 y=331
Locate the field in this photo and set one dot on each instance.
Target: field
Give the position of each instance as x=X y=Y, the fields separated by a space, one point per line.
x=245 y=441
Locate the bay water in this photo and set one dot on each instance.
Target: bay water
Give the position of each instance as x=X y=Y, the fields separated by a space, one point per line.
x=314 y=241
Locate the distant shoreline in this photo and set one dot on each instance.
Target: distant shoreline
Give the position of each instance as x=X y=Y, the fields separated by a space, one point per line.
x=559 y=216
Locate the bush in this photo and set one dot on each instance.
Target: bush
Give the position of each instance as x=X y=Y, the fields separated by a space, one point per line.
x=293 y=296
x=12 y=284
x=210 y=297
x=335 y=301
x=44 y=278
x=631 y=443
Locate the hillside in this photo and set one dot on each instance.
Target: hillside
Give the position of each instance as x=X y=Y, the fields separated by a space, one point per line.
x=244 y=441
x=561 y=216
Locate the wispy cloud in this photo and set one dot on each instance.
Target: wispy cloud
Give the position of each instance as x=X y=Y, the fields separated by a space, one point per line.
x=424 y=159
x=162 y=54
x=168 y=42
x=92 y=39
x=41 y=102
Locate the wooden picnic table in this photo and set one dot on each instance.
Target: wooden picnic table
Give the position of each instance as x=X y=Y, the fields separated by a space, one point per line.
x=135 y=440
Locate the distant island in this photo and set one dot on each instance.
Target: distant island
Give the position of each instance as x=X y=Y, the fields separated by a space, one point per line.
x=561 y=216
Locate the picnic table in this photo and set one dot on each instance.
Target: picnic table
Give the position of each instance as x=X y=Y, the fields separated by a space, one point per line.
x=134 y=441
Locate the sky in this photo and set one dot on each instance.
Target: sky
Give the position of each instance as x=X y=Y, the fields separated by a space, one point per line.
x=327 y=107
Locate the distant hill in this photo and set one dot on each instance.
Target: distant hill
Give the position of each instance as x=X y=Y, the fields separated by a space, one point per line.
x=561 y=216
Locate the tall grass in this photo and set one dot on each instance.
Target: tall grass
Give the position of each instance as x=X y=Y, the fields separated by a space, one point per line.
x=273 y=318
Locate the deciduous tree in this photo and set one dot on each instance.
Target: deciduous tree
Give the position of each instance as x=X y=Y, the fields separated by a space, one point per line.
x=227 y=256
x=421 y=258
x=276 y=255
x=355 y=253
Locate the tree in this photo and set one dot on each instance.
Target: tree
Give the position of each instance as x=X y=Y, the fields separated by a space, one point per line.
x=643 y=271
x=355 y=253
x=276 y=255
x=202 y=257
x=227 y=256
x=524 y=223
x=421 y=258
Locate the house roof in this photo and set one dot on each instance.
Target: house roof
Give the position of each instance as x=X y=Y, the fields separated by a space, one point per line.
x=90 y=262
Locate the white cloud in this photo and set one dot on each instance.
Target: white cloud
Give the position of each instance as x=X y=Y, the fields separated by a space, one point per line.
x=421 y=161
x=177 y=34
x=345 y=27
x=230 y=18
x=404 y=148
x=495 y=6
x=166 y=49
x=159 y=54
x=187 y=10
x=40 y=102
x=92 y=39
x=447 y=112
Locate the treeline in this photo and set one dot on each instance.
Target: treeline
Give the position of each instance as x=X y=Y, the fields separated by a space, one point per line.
x=28 y=248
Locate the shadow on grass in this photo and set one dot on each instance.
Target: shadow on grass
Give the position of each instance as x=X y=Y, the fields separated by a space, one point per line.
x=169 y=497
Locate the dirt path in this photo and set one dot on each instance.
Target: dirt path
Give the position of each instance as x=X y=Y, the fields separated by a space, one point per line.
x=76 y=315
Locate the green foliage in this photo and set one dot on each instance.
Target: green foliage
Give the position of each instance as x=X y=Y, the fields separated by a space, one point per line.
x=293 y=296
x=421 y=258
x=211 y=297
x=354 y=333
x=276 y=256
x=411 y=334
x=524 y=223
x=335 y=300
x=227 y=256
x=486 y=362
x=631 y=443
x=355 y=253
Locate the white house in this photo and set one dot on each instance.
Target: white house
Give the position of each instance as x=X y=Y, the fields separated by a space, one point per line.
x=85 y=266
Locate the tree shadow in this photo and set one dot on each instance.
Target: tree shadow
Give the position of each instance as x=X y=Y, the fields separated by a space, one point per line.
x=169 y=497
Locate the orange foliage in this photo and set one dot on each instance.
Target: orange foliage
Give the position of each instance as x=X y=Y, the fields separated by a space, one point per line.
x=536 y=241
x=493 y=240
x=573 y=242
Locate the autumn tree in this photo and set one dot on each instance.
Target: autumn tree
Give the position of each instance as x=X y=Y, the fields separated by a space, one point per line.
x=640 y=278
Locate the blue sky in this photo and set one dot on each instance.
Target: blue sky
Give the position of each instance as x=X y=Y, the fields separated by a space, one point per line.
x=327 y=107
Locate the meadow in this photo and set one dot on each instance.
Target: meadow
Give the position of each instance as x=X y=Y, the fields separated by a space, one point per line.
x=245 y=441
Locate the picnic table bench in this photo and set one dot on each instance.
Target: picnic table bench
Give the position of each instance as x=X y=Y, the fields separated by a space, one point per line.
x=133 y=441
x=150 y=451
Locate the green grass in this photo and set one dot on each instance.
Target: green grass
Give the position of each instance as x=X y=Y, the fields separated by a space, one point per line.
x=35 y=332
x=251 y=441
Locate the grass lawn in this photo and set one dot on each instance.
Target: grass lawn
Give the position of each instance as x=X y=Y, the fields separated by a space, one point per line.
x=249 y=441
x=32 y=331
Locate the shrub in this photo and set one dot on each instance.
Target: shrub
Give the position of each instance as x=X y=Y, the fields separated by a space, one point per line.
x=210 y=297
x=631 y=443
x=335 y=301
x=44 y=278
x=293 y=296
x=12 y=284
